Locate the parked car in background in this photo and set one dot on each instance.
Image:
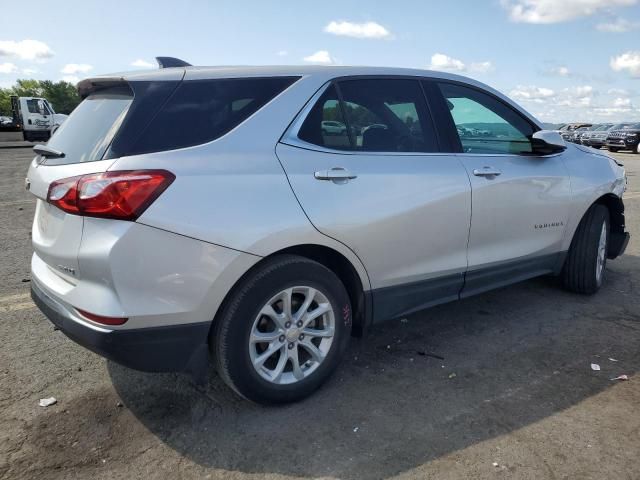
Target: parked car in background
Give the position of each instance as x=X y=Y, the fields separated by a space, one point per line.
x=257 y=240
x=625 y=138
x=331 y=127
x=584 y=137
x=567 y=131
x=598 y=137
x=577 y=134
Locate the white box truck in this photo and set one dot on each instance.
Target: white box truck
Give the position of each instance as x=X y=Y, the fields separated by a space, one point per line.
x=35 y=117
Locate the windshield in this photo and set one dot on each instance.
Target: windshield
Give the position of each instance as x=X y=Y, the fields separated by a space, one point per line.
x=87 y=133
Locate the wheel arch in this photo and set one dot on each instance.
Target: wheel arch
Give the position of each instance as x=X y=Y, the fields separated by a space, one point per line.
x=615 y=206
x=361 y=301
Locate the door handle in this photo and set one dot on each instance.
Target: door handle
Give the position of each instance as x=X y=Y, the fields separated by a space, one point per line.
x=486 y=172
x=338 y=174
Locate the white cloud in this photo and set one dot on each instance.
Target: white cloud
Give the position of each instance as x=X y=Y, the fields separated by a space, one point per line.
x=560 y=71
x=8 y=67
x=357 y=30
x=140 y=63
x=321 y=56
x=580 y=91
x=532 y=93
x=619 y=25
x=555 y=11
x=25 y=49
x=74 y=68
x=627 y=61
x=622 y=102
x=621 y=113
x=481 y=67
x=445 y=63
x=29 y=71
x=282 y=53
x=440 y=61
x=71 y=79
x=581 y=102
x=574 y=97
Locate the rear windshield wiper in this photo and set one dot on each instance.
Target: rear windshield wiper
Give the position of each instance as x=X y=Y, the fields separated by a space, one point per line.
x=48 y=152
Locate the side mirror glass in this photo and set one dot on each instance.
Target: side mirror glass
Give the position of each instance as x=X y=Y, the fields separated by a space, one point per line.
x=547 y=142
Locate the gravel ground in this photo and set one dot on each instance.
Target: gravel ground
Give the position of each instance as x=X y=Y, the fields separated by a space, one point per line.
x=513 y=397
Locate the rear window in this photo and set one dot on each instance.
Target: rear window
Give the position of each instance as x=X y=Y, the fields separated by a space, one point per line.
x=87 y=133
x=200 y=111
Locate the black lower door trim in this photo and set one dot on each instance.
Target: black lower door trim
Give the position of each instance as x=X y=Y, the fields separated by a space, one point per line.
x=399 y=300
x=489 y=278
x=393 y=302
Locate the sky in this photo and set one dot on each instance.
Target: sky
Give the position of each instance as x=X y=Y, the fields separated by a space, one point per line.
x=562 y=60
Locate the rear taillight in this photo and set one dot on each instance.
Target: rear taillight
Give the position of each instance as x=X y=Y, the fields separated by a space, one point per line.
x=122 y=195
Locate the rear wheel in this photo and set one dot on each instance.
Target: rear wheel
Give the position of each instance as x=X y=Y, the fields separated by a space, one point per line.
x=283 y=331
x=584 y=267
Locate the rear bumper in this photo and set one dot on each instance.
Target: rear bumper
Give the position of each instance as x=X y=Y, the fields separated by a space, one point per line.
x=154 y=349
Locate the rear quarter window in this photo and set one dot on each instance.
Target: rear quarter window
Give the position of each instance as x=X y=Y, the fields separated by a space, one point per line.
x=200 y=111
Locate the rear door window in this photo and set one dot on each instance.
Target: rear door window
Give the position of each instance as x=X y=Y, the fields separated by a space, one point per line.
x=388 y=115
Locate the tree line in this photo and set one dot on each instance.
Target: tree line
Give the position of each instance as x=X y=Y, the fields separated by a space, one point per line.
x=62 y=95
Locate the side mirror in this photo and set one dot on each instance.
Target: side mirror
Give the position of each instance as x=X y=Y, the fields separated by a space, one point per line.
x=547 y=142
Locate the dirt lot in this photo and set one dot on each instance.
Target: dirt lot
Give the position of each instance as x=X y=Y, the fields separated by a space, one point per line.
x=515 y=388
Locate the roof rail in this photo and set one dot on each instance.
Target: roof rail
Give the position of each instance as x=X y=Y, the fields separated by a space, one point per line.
x=168 y=62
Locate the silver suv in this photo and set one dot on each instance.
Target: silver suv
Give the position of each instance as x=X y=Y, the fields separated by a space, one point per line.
x=193 y=215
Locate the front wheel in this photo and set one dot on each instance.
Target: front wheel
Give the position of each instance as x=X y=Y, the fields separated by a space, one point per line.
x=613 y=149
x=584 y=268
x=283 y=331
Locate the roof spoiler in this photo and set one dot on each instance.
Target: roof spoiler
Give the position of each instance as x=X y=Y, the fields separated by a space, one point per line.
x=90 y=85
x=168 y=62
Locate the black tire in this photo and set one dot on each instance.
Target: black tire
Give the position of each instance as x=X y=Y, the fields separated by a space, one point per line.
x=230 y=340
x=613 y=149
x=580 y=271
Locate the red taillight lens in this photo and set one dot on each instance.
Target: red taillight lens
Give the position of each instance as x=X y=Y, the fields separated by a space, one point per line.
x=103 y=320
x=122 y=195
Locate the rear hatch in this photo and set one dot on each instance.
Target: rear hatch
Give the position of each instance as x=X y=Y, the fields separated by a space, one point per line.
x=84 y=139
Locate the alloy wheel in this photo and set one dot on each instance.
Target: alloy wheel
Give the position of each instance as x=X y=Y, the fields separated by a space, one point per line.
x=291 y=335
